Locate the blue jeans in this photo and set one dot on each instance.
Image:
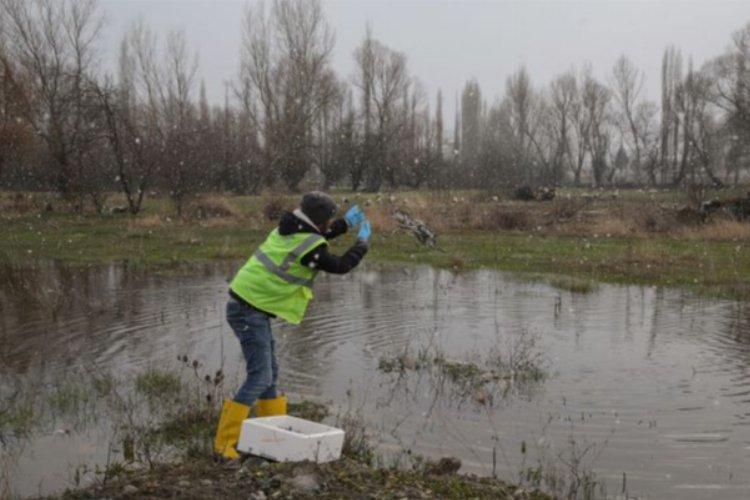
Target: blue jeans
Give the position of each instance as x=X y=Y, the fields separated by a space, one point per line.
x=253 y=329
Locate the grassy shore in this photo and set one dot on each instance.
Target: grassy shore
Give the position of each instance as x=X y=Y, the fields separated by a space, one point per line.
x=633 y=238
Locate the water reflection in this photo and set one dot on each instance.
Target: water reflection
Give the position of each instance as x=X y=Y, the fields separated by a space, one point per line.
x=668 y=372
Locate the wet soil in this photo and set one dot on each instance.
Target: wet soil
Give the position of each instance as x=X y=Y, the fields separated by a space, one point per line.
x=346 y=478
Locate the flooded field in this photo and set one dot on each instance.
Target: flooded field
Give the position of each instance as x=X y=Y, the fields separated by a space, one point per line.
x=647 y=389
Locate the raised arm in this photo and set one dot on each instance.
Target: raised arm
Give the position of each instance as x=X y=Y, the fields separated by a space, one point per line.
x=322 y=260
x=336 y=229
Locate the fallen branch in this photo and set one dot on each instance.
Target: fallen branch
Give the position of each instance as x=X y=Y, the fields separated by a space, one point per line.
x=418 y=228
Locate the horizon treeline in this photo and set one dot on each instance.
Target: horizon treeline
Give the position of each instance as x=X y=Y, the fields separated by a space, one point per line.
x=289 y=120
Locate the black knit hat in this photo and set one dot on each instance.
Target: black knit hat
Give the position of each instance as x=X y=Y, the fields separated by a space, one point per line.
x=319 y=207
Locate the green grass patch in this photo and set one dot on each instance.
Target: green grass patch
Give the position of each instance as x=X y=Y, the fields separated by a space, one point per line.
x=309 y=410
x=195 y=424
x=460 y=373
x=572 y=284
x=716 y=267
x=158 y=384
x=16 y=420
x=713 y=267
x=70 y=398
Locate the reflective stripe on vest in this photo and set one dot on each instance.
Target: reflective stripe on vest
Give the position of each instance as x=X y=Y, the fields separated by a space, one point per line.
x=300 y=250
x=281 y=270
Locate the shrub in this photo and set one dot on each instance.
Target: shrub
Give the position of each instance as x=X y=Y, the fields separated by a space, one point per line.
x=504 y=219
x=274 y=207
x=210 y=207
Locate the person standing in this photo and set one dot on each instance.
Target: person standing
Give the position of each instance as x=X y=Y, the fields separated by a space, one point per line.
x=276 y=282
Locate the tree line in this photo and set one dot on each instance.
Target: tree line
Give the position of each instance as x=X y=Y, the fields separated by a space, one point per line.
x=288 y=119
x=580 y=130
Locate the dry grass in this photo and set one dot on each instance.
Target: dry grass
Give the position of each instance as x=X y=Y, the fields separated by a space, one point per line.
x=148 y=222
x=211 y=206
x=381 y=219
x=563 y=217
x=577 y=215
x=443 y=213
x=611 y=227
x=564 y=209
x=275 y=204
x=498 y=218
x=719 y=230
x=221 y=222
x=19 y=204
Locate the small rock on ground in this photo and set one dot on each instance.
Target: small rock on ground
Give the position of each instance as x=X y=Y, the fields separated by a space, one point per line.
x=446 y=465
x=130 y=490
x=307 y=483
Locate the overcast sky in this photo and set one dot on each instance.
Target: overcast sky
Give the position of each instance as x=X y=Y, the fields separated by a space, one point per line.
x=447 y=42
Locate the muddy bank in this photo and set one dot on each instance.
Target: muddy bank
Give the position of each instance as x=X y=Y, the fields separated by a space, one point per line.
x=197 y=473
x=346 y=478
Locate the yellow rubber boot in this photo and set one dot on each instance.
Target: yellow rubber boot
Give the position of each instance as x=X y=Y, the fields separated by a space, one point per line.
x=271 y=407
x=228 y=432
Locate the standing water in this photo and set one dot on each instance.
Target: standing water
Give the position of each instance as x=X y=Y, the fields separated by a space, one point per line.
x=647 y=388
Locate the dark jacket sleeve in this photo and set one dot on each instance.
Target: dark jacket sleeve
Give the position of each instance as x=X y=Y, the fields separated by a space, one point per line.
x=338 y=227
x=322 y=260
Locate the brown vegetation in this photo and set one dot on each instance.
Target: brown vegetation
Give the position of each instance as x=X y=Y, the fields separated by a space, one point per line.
x=19 y=204
x=574 y=216
x=274 y=206
x=566 y=215
x=148 y=221
x=210 y=207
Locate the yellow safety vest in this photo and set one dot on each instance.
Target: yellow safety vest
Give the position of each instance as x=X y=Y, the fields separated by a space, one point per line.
x=274 y=281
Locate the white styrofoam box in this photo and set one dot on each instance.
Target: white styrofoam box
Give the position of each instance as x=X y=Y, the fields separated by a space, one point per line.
x=290 y=439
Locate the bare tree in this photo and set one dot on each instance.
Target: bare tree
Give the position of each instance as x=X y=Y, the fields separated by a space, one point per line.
x=364 y=57
x=596 y=102
x=648 y=130
x=457 y=129
x=286 y=78
x=581 y=127
x=162 y=94
x=731 y=94
x=670 y=119
x=563 y=95
x=384 y=82
x=496 y=161
x=471 y=120
x=239 y=153
x=335 y=136
x=17 y=140
x=701 y=135
x=178 y=120
x=529 y=116
x=417 y=156
x=439 y=126
x=627 y=83
x=732 y=84
x=345 y=145
x=52 y=45
x=130 y=140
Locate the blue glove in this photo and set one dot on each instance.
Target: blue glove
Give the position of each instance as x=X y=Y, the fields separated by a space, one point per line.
x=365 y=231
x=354 y=216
